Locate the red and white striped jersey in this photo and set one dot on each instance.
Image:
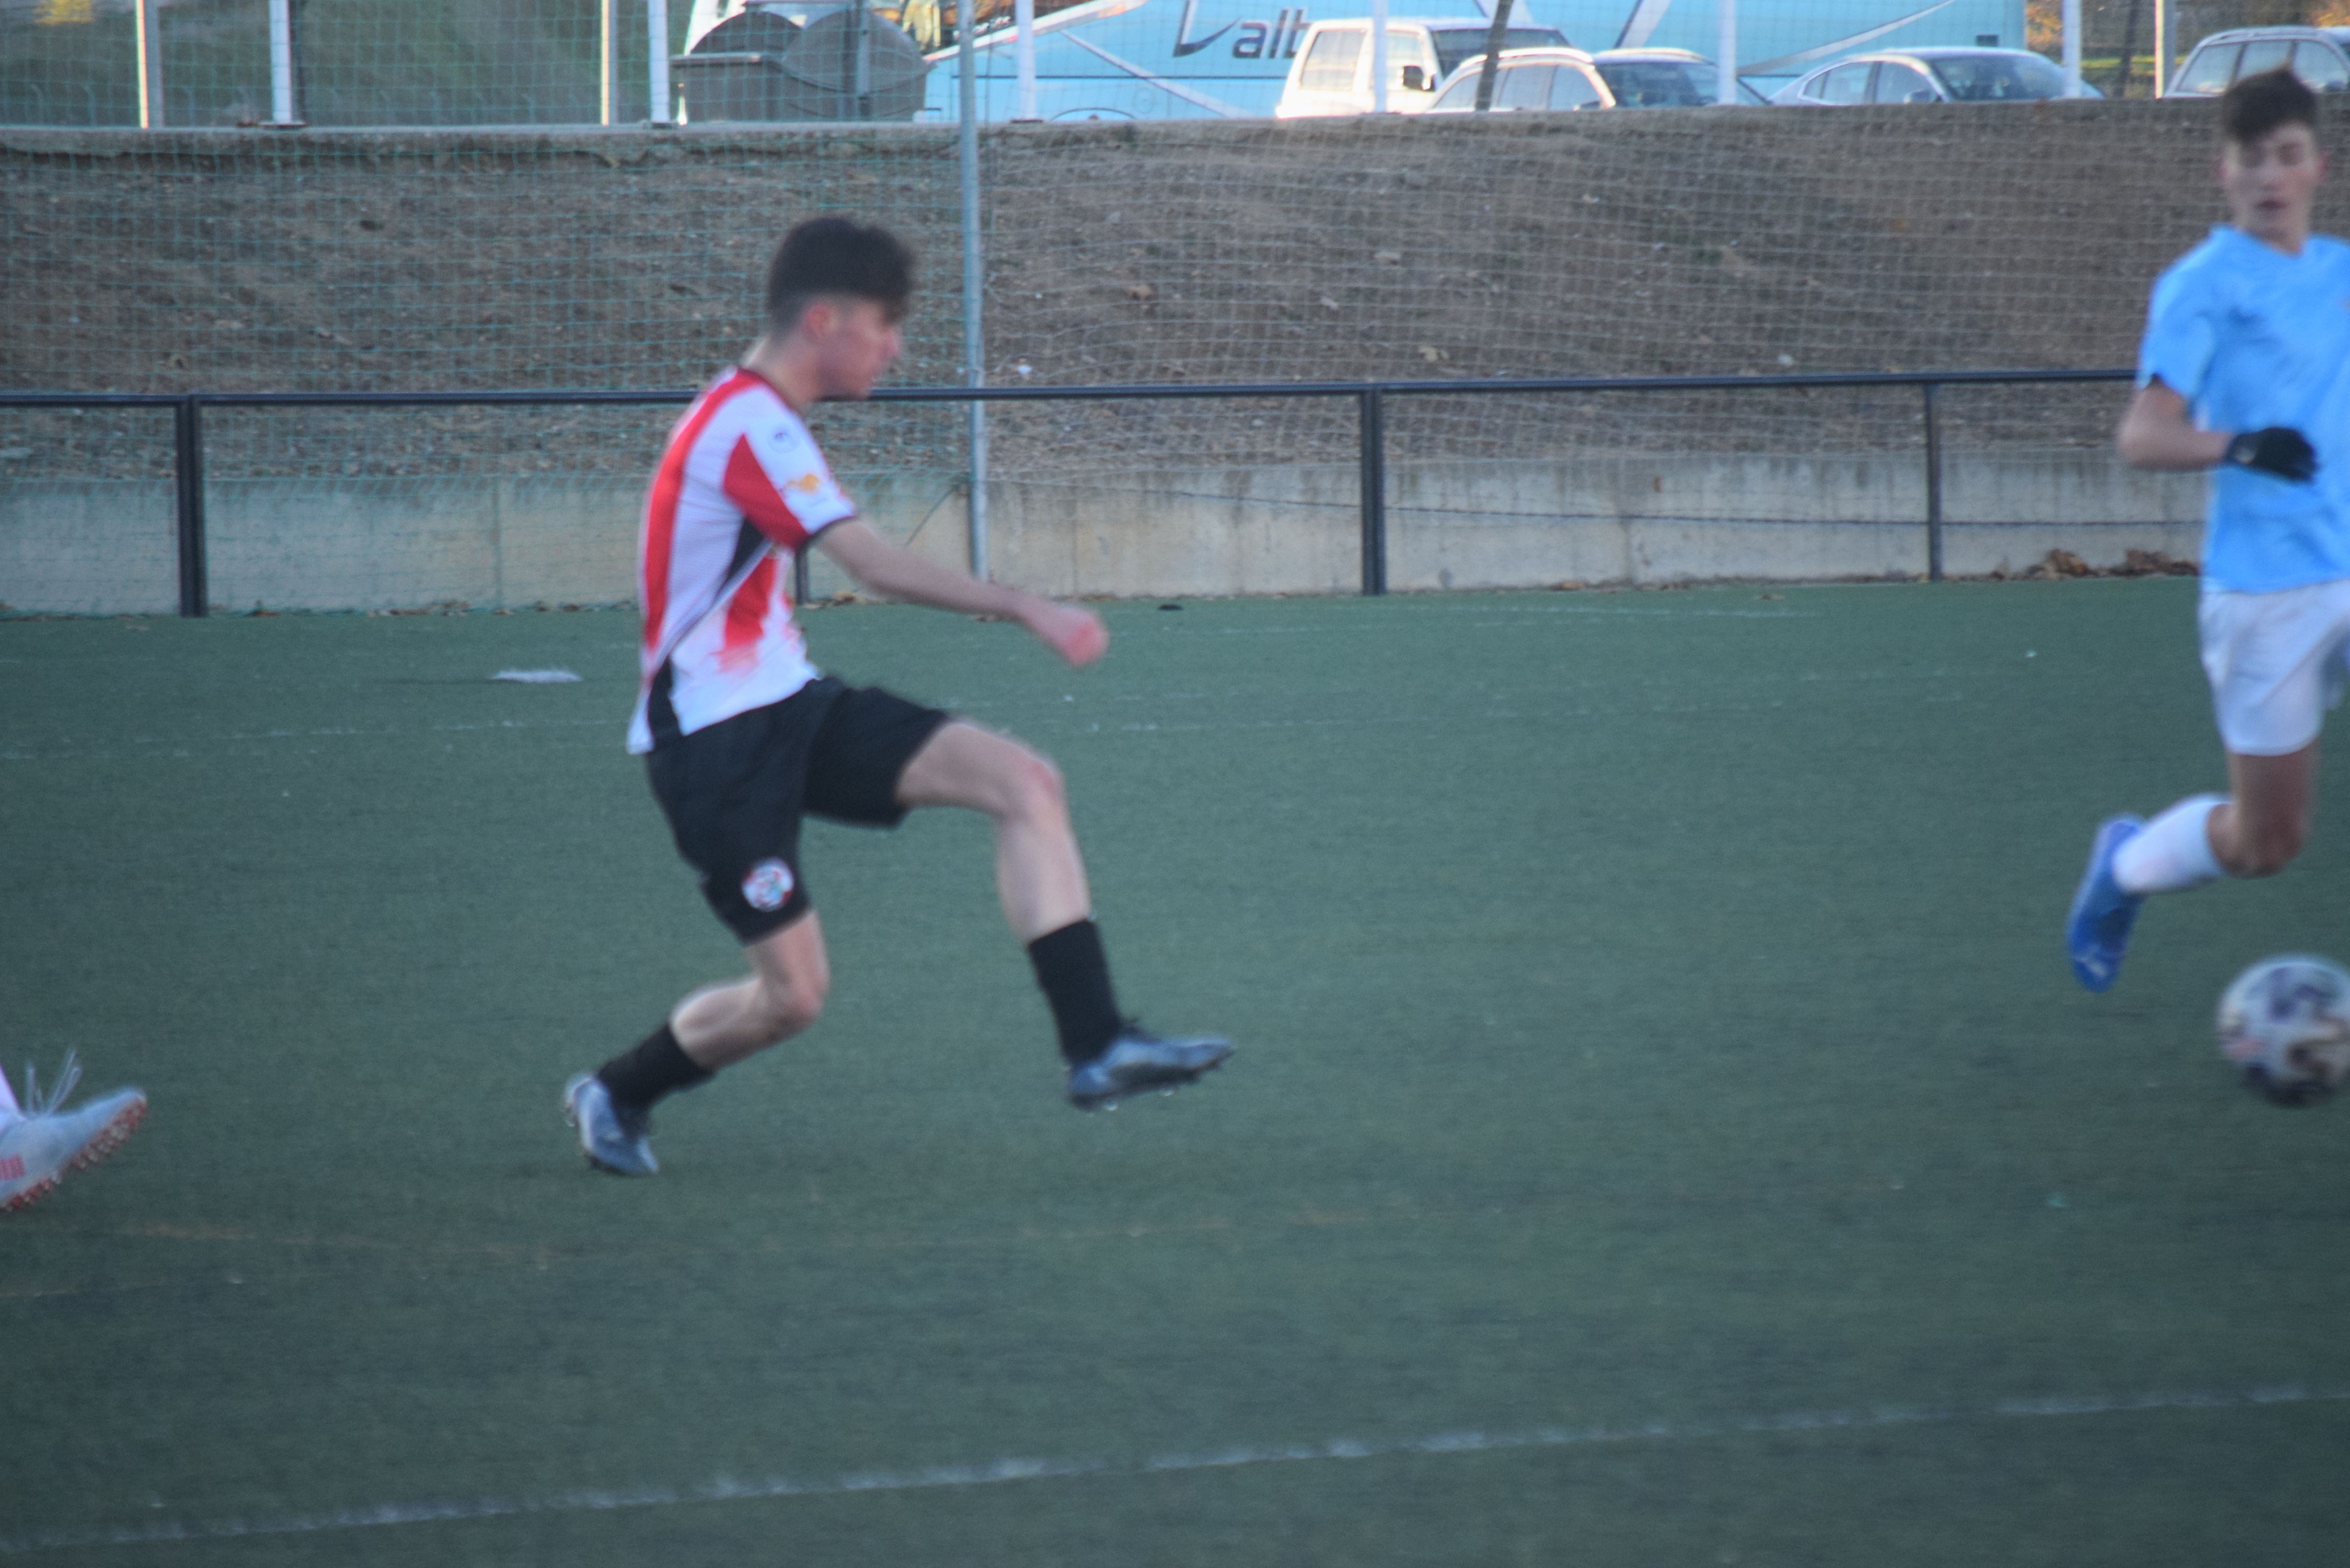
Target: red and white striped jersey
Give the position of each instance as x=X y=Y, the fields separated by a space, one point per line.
x=740 y=490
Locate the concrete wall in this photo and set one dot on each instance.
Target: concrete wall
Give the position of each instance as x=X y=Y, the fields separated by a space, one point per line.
x=371 y=543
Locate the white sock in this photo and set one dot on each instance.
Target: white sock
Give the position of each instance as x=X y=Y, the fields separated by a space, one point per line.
x=2173 y=852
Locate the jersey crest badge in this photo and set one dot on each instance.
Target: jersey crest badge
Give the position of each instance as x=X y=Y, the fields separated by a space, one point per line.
x=767 y=886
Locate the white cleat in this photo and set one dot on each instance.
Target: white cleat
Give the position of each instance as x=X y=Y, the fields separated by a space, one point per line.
x=39 y=1146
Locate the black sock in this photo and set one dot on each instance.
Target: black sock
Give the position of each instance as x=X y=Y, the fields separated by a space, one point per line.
x=1076 y=981
x=659 y=1066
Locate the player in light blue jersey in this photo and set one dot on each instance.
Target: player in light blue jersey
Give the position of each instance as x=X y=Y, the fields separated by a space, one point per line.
x=2245 y=370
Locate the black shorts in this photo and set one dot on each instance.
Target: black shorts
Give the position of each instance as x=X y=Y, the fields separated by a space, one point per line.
x=736 y=792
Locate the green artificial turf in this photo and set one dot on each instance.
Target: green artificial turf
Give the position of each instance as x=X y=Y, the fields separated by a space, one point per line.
x=1663 y=1131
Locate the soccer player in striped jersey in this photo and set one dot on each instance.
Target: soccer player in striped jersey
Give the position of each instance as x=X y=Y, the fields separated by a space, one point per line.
x=2245 y=370
x=742 y=736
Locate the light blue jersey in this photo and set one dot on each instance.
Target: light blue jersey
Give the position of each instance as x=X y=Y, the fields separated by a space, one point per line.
x=2252 y=337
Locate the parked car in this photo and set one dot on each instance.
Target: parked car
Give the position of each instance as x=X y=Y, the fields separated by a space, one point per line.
x=2318 y=55
x=1556 y=78
x=1931 y=75
x=1332 y=73
x=1663 y=79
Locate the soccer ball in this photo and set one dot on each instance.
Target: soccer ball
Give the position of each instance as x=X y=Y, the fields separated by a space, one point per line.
x=2285 y=1024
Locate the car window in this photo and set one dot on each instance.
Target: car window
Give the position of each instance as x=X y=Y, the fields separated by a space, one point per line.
x=1454 y=45
x=1405 y=47
x=1461 y=95
x=1902 y=84
x=1523 y=87
x=2264 y=54
x=1654 y=84
x=1847 y=84
x=2210 y=71
x=1330 y=62
x=1573 y=89
x=1998 y=78
x=2320 y=67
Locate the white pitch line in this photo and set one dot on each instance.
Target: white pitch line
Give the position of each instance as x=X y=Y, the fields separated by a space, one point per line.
x=728 y=1488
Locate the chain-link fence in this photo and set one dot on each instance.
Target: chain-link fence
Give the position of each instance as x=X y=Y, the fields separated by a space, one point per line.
x=1739 y=241
x=191 y=63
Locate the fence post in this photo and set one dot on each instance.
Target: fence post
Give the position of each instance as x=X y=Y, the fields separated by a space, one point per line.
x=1933 y=482
x=975 y=275
x=284 y=83
x=188 y=469
x=150 y=64
x=1373 y=407
x=660 y=110
x=608 y=63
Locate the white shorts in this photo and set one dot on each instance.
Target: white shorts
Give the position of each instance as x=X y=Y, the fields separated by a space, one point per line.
x=2276 y=662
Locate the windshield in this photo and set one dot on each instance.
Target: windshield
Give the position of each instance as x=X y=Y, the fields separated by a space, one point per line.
x=1992 y=78
x=1454 y=45
x=1658 y=84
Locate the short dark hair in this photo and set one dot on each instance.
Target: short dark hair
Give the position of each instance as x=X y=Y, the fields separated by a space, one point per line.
x=837 y=256
x=2264 y=101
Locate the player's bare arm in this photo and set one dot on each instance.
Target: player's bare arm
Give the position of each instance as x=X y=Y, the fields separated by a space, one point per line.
x=1075 y=634
x=2158 y=431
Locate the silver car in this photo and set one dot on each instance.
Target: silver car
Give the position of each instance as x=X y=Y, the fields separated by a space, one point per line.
x=1931 y=75
x=1662 y=78
x=1535 y=78
x=2318 y=55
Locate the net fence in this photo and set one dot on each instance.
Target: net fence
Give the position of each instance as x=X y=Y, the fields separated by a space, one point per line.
x=1730 y=242
x=583 y=62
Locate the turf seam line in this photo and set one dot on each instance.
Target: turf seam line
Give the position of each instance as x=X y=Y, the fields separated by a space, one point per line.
x=727 y=1489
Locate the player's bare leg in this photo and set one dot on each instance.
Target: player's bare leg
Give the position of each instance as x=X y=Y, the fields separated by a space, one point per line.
x=1041 y=877
x=2265 y=820
x=714 y=1027
x=719 y=1025
x=1039 y=874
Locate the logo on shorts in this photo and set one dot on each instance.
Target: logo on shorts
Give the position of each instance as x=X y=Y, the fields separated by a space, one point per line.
x=767 y=886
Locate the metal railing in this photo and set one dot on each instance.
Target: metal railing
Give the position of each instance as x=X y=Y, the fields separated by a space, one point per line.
x=1369 y=396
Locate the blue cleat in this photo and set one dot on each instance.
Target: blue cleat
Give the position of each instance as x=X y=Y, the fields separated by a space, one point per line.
x=612 y=1136
x=1136 y=1062
x=2098 y=932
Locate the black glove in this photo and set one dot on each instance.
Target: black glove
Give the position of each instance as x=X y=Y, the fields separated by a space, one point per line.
x=2278 y=450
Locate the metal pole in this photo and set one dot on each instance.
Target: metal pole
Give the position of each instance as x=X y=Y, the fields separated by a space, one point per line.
x=1024 y=55
x=975 y=341
x=2072 y=19
x=285 y=106
x=150 y=66
x=1374 y=481
x=188 y=469
x=1725 y=70
x=659 y=110
x=1378 y=56
x=1933 y=484
x=1495 y=37
x=2161 y=49
x=861 y=64
x=608 y=72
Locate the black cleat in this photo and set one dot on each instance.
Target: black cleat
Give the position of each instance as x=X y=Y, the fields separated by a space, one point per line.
x=1136 y=1062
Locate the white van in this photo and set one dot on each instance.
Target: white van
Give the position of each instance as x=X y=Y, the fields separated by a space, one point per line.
x=1332 y=72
